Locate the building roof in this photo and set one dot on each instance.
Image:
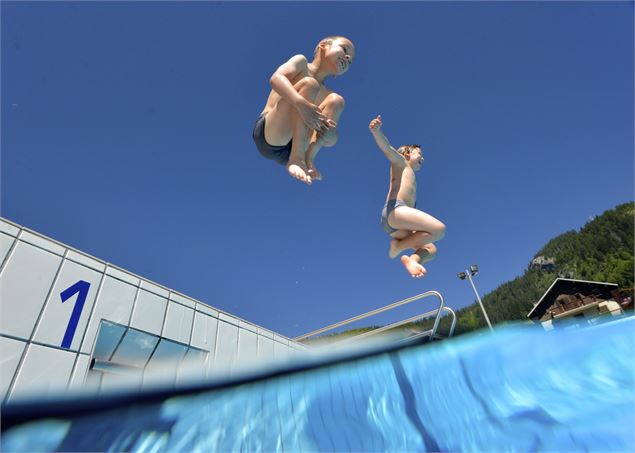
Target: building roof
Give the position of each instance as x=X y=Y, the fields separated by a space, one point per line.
x=569 y=286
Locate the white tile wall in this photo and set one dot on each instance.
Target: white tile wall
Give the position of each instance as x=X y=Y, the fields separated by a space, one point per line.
x=192 y=368
x=121 y=275
x=265 y=333
x=178 y=323
x=79 y=373
x=206 y=309
x=86 y=260
x=248 y=326
x=182 y=300
x=247 y=347
x=226 y=346
x=114 y=303
x=30 y=285
x=45 y=371
x=149 y=312
x=27 y=236
x=229 y=319
x=57 y=314
x=204 y=332
x=265 y=348
x=148 y=286
x=5 y=245
x=6 y=227
x=280 y=350
x=24 y=285
x=10 y=353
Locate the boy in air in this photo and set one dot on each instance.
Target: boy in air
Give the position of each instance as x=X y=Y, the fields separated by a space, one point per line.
x=301 y=113
x=409 y=227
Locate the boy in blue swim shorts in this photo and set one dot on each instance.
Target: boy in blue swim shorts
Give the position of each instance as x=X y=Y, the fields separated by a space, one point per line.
x=408 y=227
x=301 y=113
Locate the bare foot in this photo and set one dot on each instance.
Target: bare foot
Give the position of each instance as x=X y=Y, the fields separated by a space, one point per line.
x=314 y=173
x=413 y=267
x=394 y=248
x=298 y=170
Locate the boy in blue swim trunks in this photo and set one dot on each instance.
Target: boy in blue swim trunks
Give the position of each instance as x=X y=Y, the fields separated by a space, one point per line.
x=301 y=113
x=408 y=227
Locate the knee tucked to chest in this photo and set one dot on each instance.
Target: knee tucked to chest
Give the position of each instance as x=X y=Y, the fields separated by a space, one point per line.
x=335 y=101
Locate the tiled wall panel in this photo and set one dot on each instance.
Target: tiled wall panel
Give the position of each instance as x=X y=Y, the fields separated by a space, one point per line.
x=78 y=377
x=10 y=353
x=80 y=283
x=226 y=346
x=204 y=332
x=9 y=229
x=86 y=261
x=114 y=303
x=247 y=347
x=42 y=242
x=45 y=371
x=192 y=368
x=265 y=348
x=149 y=312
x=178 y=323
x=6 y=242
x=280 y=350
x=24 y=285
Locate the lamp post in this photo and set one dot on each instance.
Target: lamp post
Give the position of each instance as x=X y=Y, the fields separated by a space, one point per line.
x=473 y=270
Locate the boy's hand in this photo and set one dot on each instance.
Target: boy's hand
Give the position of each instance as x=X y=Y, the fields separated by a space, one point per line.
x=375 y=125
x=311 y=115
x=327 y=136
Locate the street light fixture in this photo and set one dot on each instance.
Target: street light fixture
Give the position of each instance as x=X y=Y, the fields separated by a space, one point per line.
x=473 y=270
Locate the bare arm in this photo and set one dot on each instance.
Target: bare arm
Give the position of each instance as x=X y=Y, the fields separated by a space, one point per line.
x=281 y=83
x=383 y=143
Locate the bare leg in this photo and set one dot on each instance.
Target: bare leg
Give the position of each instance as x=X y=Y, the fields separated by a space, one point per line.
x=284 y=123
x=410 y=219
x=417 y=230
x=332 y=107
x=414 y=240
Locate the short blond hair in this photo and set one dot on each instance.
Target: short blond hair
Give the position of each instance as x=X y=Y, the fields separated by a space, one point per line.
x=403 y=149
x=327 y=40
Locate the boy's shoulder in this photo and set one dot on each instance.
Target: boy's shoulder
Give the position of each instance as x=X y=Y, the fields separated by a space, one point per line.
x=299 y=59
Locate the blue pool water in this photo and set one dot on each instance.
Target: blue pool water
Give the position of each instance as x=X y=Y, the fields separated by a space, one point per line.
x=521 y=389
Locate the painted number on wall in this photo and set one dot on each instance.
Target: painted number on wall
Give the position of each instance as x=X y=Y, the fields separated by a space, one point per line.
x=81 y=289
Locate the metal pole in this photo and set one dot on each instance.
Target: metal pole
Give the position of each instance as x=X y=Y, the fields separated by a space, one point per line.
x=469 y=277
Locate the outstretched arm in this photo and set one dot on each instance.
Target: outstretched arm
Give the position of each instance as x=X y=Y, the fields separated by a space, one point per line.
x=383 y=143
x=281 y=83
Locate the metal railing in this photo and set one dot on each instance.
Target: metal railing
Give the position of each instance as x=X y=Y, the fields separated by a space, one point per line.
x=432 y=332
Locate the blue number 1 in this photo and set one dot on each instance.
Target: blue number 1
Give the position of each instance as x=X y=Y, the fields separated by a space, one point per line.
x=80 y=287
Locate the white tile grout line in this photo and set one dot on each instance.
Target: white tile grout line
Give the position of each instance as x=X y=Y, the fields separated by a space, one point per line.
x=14 y=245
x=92 y=312
x=165 y=318
x=134 y=303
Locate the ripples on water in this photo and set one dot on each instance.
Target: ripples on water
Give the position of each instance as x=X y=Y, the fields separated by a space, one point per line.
x=521 y=389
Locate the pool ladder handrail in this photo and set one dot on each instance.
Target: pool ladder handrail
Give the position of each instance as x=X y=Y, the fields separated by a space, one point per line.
x=437 y=312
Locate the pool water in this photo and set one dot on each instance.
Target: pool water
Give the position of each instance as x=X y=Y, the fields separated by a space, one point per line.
x=520 y=389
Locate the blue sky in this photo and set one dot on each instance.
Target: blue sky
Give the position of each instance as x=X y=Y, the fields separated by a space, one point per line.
x=126 y=133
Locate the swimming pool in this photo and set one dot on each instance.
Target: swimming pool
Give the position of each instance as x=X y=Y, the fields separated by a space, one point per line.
x=521 y=389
